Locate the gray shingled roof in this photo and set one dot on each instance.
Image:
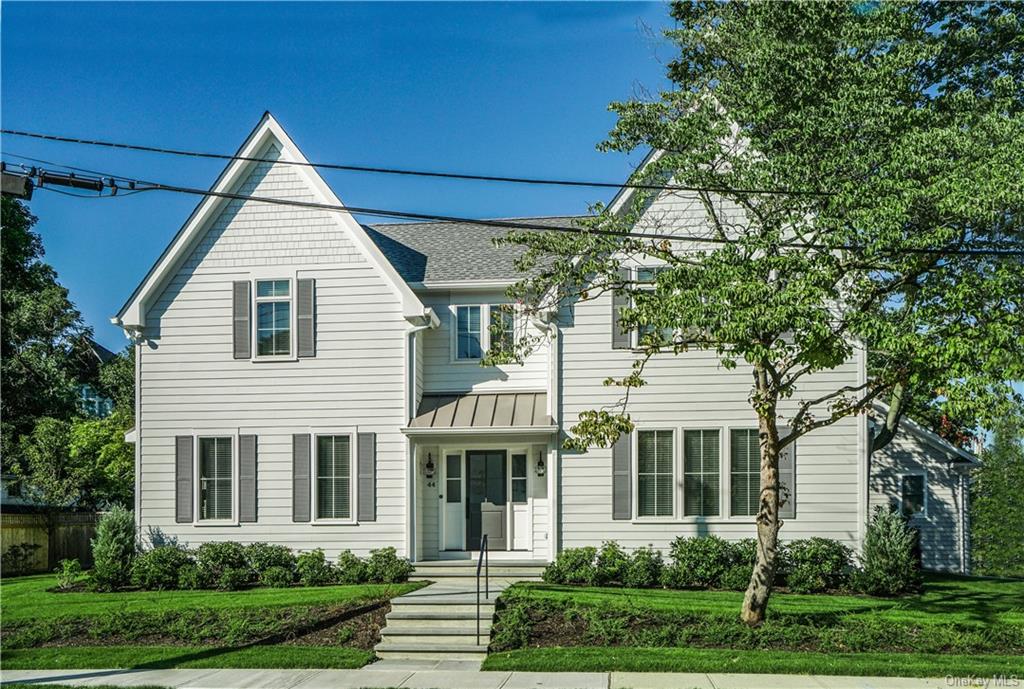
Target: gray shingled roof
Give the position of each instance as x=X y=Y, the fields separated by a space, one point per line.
x=451 y=251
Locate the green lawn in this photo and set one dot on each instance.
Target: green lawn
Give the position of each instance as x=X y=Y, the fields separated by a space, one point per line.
x=192 y=629
x=959 y=624
x=25 y=598
x=160 y=657
x=620 y=659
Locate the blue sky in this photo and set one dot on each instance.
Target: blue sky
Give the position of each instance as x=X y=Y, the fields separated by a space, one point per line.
x=515 y=89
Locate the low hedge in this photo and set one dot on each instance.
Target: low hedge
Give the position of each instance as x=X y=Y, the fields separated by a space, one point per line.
x=230 y=566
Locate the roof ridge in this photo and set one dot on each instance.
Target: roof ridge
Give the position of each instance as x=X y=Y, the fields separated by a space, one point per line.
x=470 y=220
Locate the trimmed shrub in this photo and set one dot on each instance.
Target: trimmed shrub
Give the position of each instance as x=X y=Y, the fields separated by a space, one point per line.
x=572 y=566
x=233 y=578
x=385 y=567
x=69 y=572
x=158 y=569
x=817 y=565
x=113 y=549
x=698 y=562
x=737 y=577
x=351 y=569
x=610 y=565
x=262 y=556
x=314 y=569
x=889 y=565
x=644 y=569
x=214 y=559
x=276 y=577
x=189 y=577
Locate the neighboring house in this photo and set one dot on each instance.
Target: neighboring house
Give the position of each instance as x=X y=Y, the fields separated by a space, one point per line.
x=306 y=380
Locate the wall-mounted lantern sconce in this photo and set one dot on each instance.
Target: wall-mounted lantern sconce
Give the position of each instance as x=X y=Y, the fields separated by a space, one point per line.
x=429 y=468
x=540 y=464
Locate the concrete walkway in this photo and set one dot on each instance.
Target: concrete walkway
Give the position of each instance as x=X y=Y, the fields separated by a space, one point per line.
x=453 y=675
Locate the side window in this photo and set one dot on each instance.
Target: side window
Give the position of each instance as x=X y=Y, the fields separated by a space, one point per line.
x=273 y=318
x=913 y=498
x=453 y=478
x=745 y=471
x=701 y=474
x=215 y=479
x=519 y=479
x=333 y=477
x=655 y=480
x=646 y=277
x=468 y=332
x=503 y=326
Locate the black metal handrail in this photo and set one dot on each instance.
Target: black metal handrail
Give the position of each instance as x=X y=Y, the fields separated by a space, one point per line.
x=482 y=561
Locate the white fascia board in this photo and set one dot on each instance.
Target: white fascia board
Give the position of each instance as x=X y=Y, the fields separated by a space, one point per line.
x=481 y=430
x=133 y=313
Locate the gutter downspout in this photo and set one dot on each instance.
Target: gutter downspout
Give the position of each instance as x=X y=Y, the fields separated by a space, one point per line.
x=410 y=403
x=550 y=326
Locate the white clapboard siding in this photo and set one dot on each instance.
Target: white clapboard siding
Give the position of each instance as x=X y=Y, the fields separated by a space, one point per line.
x=441 y=374
x=942 y=530
x=190 y=381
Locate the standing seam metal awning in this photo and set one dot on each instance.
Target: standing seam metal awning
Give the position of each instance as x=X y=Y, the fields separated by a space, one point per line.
x=522 y=410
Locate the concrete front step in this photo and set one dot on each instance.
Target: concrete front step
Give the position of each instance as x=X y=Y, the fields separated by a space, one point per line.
x=503 y=582
x=444 y=651
x=401 y=620
x=470 y=572
x=459 y=636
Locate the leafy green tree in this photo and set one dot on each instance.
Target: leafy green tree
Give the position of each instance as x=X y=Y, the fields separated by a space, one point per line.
x=117 y=380
x=901 y=124
x=43 y=341
x=99 y=444
x=997 y=506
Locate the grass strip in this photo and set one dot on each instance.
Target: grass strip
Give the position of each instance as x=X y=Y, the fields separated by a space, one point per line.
x=163 y=657
x=619 y=659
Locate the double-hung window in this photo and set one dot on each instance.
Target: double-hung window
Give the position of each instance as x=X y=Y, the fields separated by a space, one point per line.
x=273 y=318
x=646 y=279
x=701 y=473
x=913 y=495
x=334 y=477
x=479 y=326
x=469 y=332
x=745 y=471
x=519 y=479
x=216 y=494
x=655 y=476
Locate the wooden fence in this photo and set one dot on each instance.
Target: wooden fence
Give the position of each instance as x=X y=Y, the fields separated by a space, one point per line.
x=70 y=538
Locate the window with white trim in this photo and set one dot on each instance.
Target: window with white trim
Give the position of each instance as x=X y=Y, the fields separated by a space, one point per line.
x=646 y=280
x=655 y=474
x=519 y=479
x=216 y=492
x=745 y=471
x=334 y=477
x=913 y=495
x=702 y=479
x=273 y=318
x=478 y=325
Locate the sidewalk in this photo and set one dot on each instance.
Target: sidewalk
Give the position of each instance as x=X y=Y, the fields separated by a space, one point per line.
x=451 y=675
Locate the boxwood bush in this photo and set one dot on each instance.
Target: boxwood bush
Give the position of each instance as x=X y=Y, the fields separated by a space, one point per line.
x=698 y=562
x=610 y=565
x=314 y=569
x=385 y=567
x=644 y=569
x=816 y=565
x=262 y=556
x=572 y=566
x=222 y=565
x=158 y=569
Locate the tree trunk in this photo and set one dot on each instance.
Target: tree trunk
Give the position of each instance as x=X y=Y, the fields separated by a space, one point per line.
x=755 y=601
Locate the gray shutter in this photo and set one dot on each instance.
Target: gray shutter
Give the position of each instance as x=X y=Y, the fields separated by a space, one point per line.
x=366 y=482
x=247 y=478
x=300 y=477
x=620 y=340
x=622 y=478
x=241 y=333
x=787 y=477
x=305 y=308
x=183 y=493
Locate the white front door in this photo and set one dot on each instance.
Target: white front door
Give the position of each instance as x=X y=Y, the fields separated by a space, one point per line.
x=453 y=496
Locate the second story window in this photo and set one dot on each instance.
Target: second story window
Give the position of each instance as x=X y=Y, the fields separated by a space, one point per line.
x=478 y=327
x=273 y=318
x=469 y=342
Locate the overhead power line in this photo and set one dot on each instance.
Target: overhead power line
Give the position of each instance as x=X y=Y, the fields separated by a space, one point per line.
x=414 y=173
x=135 y=185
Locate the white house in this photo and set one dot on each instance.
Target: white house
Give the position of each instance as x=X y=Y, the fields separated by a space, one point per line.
x=307 y=380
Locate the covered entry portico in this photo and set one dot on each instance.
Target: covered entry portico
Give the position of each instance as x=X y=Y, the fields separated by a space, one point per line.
x=482 y=465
